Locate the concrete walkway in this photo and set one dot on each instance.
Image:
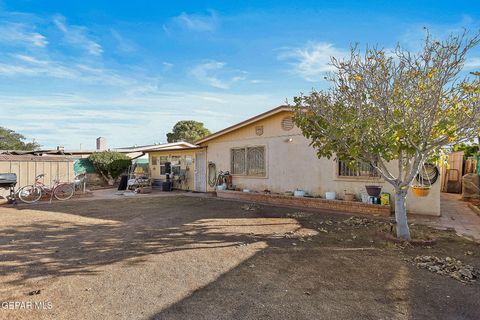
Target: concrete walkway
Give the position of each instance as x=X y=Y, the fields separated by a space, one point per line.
x=456 y=215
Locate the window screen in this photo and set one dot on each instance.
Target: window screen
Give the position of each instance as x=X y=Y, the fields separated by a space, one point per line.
x=256 y=161
x=360 y=169
x=238 y=160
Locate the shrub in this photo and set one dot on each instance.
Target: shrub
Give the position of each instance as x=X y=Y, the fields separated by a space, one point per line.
x=110 y=164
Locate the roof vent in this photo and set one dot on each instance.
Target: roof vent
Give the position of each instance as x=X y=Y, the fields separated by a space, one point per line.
x=287 y=123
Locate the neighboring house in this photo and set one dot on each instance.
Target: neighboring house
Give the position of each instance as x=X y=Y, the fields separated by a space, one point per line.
x=44 y=161
x=268 y=152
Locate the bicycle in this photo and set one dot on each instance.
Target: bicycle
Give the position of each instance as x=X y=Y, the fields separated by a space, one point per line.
x=33 y=193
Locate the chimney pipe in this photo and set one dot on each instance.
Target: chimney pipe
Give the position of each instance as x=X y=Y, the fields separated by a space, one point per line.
x=101 y=143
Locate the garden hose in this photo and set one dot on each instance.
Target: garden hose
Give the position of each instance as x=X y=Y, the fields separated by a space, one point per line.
x=212 y=180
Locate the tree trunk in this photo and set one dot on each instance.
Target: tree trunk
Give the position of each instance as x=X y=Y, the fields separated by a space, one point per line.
x=403 y=232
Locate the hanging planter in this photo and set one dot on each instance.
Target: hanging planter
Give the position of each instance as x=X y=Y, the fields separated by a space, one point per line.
x=421 y=191
x=427 y=176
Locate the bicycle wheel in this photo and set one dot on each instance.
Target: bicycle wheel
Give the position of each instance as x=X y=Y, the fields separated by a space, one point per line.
x=64 y=191
x=30 y=194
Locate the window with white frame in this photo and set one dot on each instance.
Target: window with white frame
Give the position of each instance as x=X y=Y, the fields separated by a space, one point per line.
x=356 y=169
x=249 y=161
x=163 y=160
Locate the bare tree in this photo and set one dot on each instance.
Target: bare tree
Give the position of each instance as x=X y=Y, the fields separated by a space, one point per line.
x=385 y=106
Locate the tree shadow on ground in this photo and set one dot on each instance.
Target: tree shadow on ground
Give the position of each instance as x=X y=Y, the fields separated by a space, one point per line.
x=309 y=277
x=76 y=238
x=311 y=282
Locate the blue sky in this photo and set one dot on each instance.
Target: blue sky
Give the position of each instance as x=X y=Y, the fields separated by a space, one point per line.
x=71 y=71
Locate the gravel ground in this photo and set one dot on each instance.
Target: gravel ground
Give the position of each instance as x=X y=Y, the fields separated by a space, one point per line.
x=194 y=258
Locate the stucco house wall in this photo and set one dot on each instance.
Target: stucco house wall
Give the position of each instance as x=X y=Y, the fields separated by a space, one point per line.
x=291 y=163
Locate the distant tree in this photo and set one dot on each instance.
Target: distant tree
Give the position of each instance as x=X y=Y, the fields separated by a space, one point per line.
x=11 y=140
x=470 y=149
x=110 y=164
x=187 y=130
x=405 y=107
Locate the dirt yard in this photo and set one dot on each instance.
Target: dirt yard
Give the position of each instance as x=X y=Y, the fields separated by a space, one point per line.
x=197 y=258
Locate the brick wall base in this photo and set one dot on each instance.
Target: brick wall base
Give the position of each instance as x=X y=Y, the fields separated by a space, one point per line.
x=316 y=203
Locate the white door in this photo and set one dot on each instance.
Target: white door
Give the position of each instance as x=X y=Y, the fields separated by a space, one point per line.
x=200 y=171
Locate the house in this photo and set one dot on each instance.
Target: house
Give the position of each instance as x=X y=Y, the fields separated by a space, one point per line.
x=268 y=152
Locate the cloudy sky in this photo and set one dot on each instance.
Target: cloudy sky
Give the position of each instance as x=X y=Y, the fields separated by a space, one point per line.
x=71 y=71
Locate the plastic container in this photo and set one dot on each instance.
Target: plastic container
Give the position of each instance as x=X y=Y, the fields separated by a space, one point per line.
x=299 y=193
x=330 y=195
x=365 y=198
x=349 y=197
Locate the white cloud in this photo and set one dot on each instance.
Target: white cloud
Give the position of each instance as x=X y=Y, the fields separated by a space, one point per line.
x=216 y=75
x=196 y=22
x=77 y=36
x=124 y=119
x=472 y=63
x=312 y=61
x=19 y=33
x=123 y=44
x=203 y=72
x=30 y=59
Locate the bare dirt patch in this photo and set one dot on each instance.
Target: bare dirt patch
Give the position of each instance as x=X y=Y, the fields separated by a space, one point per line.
x=193 y=258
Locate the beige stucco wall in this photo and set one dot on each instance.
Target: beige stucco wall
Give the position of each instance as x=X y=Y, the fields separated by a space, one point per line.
x=294 y=164
x=26 y=171
x=155 y=169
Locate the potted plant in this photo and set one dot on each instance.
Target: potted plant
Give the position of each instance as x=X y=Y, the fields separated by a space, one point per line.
x=348 y=196
x=373 y=190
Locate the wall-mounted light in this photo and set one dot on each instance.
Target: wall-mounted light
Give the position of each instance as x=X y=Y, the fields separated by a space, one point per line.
x=289 y=140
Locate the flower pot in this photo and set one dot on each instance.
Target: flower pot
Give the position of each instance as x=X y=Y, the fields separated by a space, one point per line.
x=349 y=197
x=420 y=191
x=330 y=195
x=299 y=193
x=374 y=191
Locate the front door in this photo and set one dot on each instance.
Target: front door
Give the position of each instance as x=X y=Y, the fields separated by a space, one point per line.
x=200 y=171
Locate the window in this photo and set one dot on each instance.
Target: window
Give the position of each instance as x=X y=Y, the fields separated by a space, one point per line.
x=248 y=161
x=360 y=169
x=256 y=161
x=238 y=161
x=176 y=162
x=163 y=160
x=154 y=161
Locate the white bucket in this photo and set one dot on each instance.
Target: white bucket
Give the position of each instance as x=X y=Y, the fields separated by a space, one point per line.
x=299 y=193
x=365 y=198
x=330 y=195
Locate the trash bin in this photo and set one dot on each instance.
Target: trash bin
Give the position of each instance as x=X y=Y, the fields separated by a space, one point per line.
x=123 y=183
x=167 y=186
